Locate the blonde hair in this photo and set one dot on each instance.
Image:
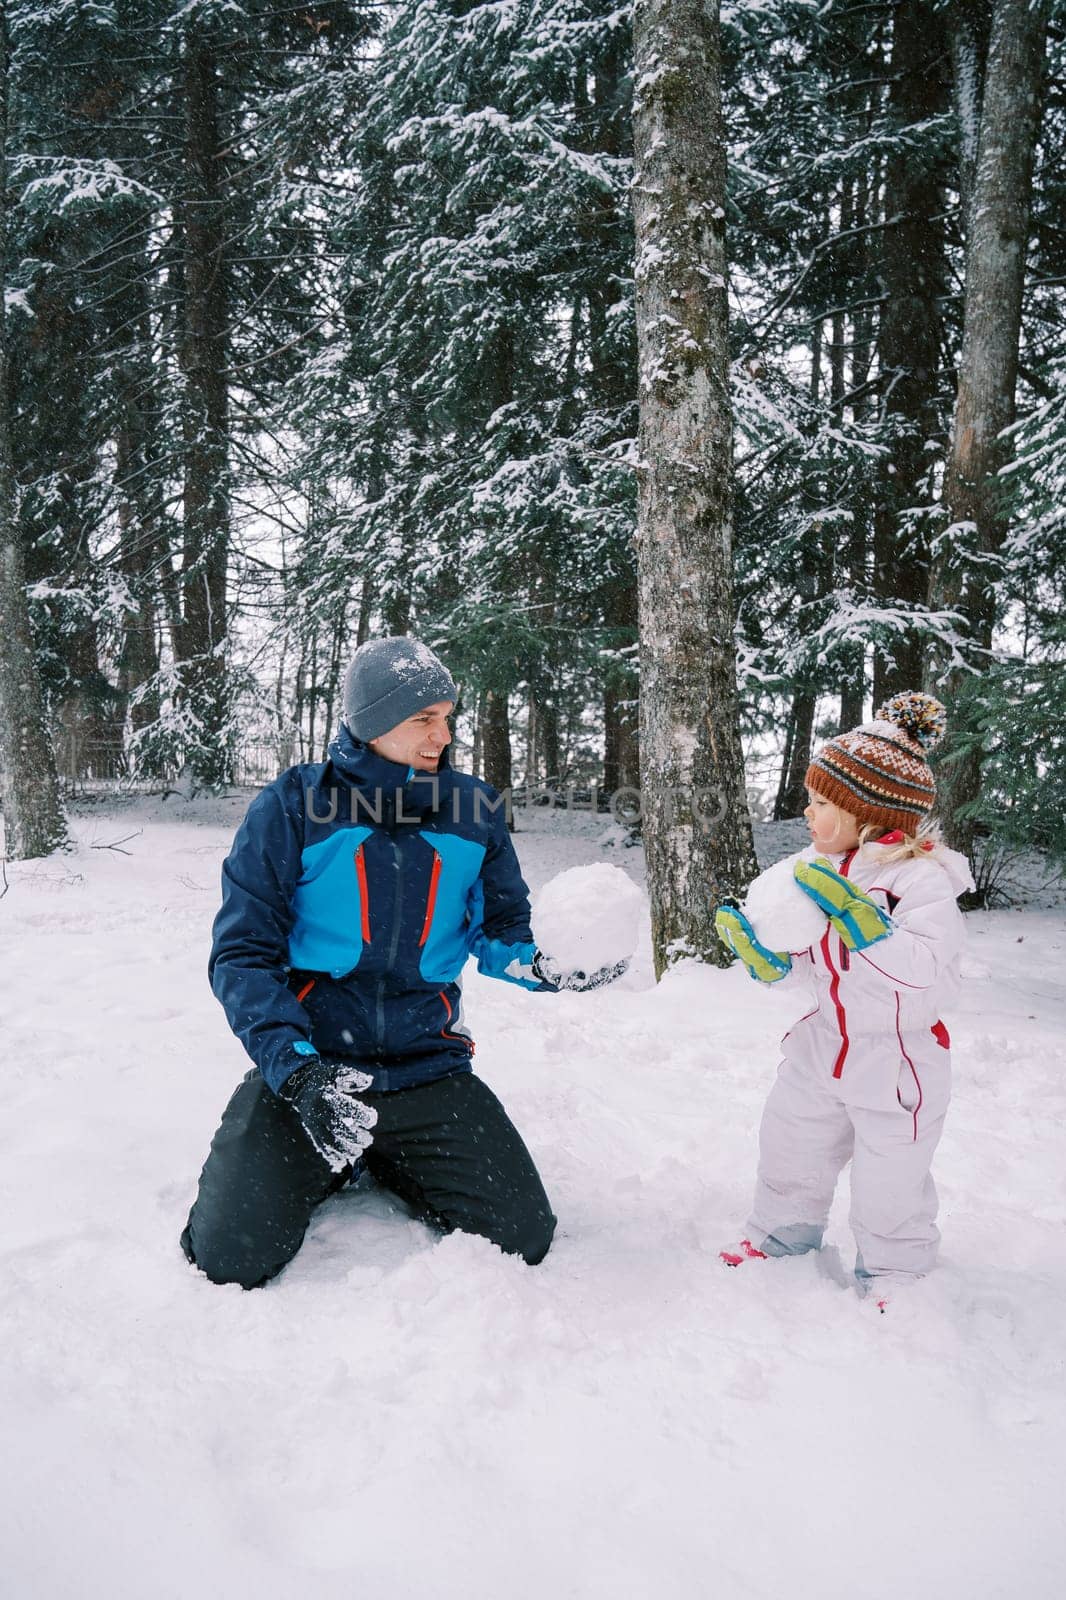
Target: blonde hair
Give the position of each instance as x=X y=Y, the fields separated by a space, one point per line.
x=912 y=847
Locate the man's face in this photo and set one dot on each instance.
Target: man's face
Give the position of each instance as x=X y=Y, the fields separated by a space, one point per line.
x=419 y=741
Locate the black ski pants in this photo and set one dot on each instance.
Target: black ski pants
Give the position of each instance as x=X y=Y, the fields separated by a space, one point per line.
x=447 y=1148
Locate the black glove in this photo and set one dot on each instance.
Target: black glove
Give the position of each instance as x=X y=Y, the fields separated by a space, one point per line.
x=546 y=970
x=323 y=1094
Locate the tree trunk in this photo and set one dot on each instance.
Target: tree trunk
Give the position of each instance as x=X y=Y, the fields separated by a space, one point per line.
x=138 y=660
x=611 y=382
x=791 y=793
x=861 y=205
x=284 y=737
x=338 y=646
x=312 y=692
x=697 y=830
x=851 y=701
x=786 y=764
x=532 y=743
x=396 y=610
x=477 y=747
x=914 y=273
x=90 y=711
x=366 y=604
x=56 y=550
x=964 y=573
x=496 y=741
x=299 y=700
x=621 y=745
x=550 y=748
x=29 y=789
x=204 y=352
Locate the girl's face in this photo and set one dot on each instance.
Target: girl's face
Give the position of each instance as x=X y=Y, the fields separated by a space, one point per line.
x=832 y=829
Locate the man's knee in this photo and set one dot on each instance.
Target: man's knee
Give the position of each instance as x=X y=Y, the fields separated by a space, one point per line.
x=532 y=1238
x=538 y=1246
x=226 y=1258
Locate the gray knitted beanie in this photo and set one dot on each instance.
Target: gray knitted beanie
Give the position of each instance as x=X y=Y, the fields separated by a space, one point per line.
x=388 y=681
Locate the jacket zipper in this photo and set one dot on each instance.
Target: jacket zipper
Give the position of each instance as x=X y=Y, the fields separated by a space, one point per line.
x=460 y=1037
x=834 y=995
x=397 y=856
x=364 y=898
x=910 y=1063
x=834 y=984
x=394 y=945
x=431 y=899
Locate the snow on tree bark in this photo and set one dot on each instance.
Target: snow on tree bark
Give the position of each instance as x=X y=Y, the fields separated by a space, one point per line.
x=621 y=753
x=29 y=790
x=697 y=830
x=968 y=23
x=966 y=558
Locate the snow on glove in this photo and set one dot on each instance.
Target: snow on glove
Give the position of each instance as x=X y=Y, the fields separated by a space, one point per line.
x=859 y=921
x=546 y=970
x=738 y=935
x=323 y=1095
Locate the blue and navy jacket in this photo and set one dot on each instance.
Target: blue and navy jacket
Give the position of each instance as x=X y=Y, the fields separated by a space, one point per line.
x=354 y=893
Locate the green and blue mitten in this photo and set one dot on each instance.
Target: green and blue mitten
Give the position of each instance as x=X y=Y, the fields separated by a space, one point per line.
x=738 y=935
x=858 y=920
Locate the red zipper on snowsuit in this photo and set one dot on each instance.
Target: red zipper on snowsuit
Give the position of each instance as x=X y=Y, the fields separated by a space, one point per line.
x=431 y=899
x=834 y=985
x=364 y=899
x=910 y=1063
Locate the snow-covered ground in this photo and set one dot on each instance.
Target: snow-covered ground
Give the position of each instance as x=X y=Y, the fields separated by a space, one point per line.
x=422 y=1420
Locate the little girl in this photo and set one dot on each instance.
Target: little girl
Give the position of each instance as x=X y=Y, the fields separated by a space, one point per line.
x=866 y=1073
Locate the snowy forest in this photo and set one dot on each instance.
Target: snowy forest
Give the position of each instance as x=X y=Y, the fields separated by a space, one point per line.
x=323 y=321
x=690 y=377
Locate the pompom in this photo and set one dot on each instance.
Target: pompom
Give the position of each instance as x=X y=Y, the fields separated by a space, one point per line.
x=918 y=715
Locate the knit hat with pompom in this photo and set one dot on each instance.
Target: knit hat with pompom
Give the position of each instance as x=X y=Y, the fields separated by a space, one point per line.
x=878 y=772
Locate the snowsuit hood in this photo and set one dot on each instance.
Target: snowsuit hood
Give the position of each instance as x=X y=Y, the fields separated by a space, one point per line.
x=955 y=864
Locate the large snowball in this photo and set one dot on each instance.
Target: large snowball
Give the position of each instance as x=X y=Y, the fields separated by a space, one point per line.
x=784 y=918
x=587 y=918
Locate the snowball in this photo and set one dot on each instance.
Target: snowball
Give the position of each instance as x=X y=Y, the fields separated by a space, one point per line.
x=587 y=918
x=784 y=918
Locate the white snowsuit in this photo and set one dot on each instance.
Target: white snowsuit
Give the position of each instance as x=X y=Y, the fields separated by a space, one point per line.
x=866 y=1073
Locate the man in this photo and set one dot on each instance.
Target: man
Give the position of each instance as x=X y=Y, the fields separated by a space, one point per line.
x=353 y=895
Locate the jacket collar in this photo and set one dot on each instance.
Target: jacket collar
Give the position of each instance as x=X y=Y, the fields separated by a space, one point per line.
x=366 y=770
